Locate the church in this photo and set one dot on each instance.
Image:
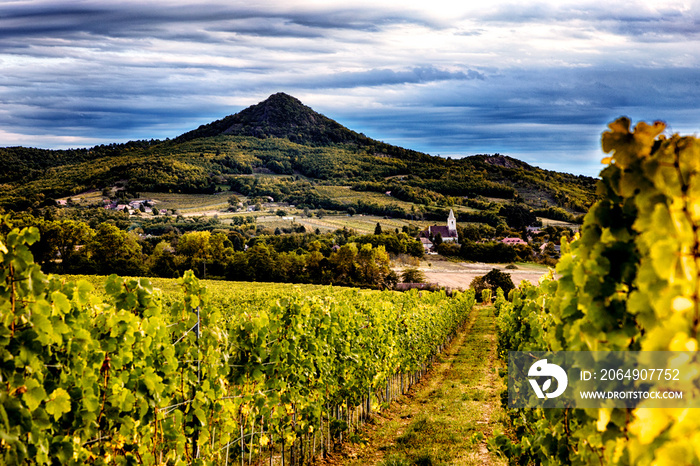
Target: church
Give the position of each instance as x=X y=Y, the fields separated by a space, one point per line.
x=448 y=233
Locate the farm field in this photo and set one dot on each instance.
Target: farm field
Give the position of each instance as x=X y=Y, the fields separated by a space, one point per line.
x=458 y=397
x=302 y=363
x=190 y=204
x=458 y=275
x=210 y=205
x=363 y=224
x=558 y=223
x=92 y=197
x=231 y=293
x=347 y=195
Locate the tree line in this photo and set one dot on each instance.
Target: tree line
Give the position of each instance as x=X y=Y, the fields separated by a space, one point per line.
x=341 y=258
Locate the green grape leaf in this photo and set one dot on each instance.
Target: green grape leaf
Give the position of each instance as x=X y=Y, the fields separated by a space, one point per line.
x=34 y=395
x=59 y=403
x=60 y=302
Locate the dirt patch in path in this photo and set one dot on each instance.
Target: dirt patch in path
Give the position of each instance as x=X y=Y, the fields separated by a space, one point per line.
x=448 y=416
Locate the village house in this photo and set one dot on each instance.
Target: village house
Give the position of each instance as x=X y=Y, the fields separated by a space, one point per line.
x=554 y=250
x=427 y=244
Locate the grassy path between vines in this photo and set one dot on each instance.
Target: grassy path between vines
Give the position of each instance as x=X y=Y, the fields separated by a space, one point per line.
x=447 y=418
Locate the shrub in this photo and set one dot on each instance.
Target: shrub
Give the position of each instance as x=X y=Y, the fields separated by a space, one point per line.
x=492 y=281
x=412 y=275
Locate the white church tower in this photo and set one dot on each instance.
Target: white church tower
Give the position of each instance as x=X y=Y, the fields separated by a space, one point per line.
x=452 y=222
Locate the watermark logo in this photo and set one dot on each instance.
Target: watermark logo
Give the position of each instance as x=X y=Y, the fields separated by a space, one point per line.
x=603 y=379
x=542 y=369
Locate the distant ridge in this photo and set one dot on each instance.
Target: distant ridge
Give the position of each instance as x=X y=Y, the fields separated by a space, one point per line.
x=282 y=136
x=282 y=116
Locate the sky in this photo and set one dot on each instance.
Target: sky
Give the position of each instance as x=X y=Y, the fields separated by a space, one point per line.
x=538 y=81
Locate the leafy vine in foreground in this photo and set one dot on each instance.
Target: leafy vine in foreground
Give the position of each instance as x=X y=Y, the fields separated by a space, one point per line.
x=630 y=282
x=119 y=378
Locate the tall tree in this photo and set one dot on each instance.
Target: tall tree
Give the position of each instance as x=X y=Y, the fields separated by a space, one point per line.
x=115 y=251
x=518 y=216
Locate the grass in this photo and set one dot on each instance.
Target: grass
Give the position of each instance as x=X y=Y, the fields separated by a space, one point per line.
x=363 y=224
x=348 y=196
x=189 y=203
x=273 y=223
x=222 y=291
x=93 y=197
x=531 y=266
x=448 y=418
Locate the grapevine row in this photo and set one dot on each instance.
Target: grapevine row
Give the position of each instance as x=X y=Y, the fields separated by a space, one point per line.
x=119 y=377
x=631 y=282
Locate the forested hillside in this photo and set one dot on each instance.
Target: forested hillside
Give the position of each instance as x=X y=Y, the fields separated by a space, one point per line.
x=280 y=136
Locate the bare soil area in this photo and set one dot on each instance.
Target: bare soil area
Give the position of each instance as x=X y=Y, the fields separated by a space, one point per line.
x=458 y=275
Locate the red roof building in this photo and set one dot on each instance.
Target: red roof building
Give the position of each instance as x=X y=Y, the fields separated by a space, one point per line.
x=513 y=241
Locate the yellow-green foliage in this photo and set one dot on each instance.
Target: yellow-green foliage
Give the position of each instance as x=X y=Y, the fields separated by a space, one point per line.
x=131 y=375
x=630 y=282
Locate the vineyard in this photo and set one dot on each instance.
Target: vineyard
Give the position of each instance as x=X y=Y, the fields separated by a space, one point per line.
x=109 y=370
x=122 y=372
x=631 y=282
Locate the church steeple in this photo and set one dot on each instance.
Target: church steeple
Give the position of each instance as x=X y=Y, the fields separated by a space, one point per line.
x=452 y=222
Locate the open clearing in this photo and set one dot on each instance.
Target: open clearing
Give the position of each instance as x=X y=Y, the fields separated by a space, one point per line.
x=190 y=204
x=362 y=224
x=460 y=274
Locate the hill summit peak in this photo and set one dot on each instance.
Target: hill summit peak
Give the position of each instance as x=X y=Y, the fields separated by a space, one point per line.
x=282 y=116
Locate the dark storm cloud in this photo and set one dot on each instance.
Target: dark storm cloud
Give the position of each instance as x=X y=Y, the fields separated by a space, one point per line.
x=549 y=116
x=382 y=77
x=138 y=20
